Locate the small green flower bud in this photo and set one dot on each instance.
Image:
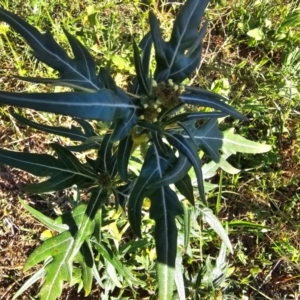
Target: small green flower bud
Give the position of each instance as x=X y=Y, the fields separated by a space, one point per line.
x=154 y=120
x=170 y=82
x=155 y=106
x=142 y=117
x=158 y=109
x=145 y=105
x=154 y=83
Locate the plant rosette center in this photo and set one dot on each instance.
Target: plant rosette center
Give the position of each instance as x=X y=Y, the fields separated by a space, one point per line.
x=165 y=96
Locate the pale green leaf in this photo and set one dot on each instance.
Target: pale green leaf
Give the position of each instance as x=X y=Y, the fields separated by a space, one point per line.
x=28 y=283
x=233 y=143
x=256 y=33
x=179 y=276
x=166 y=275
x=48 y=222
x=209 y=217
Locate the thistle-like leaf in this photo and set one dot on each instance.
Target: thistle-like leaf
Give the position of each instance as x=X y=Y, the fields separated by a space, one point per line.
x=188 y=149
x=77 y=72
x=179 y=280
x=142 y=76
x=179 y=57
x=233 y=143
x=209 y=217
x=208 y=101
x=104 y=152
x=64 y=248
x=48 y=222
x=104 y=105
x=30 y=282
x=165 y=206
x=194 y=116
x=185 y=187
x=154 y=167
x=86 y=260
x=211 y=140
x=115 y=262
x=123 y=156
x=74 y=133
x=177 y=171
x=63 y=171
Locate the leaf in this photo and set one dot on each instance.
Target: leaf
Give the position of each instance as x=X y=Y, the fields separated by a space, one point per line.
x=88 y=65
x=209 y=217
x=153 y=168
x=122 y=193
x=74 y=133
x=145 y=45
x=194 y=116
x=61 y=175
x=71 y=172
x=187 y=221
x=48 y=222
x=85 y=258
x=178 y=170
x=107 y=80
x=103 y=105
x=77 y=72
x=209 y=169
x=185 y=28
x=114 y=260
x=140 y=73
x=133 y=246
x=291 y=20
x=211 y=140
x=179 y=57
x=123 y=155
x=104 y=152
x=208 y=138
x=165 y=206
x=233 y=143
x=158 y=41
x=256 y=33
x=180 y=143
x=57 y=272
x=64 y=248
x=124 y=125
x=179 y=277
x=208 y=101
x=30 y=282
x=184 y=186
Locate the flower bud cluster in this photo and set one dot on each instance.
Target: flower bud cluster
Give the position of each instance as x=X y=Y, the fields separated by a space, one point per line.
x=165 y=96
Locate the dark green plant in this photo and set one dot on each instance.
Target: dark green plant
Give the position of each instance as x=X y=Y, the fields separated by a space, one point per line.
x=149 y=119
